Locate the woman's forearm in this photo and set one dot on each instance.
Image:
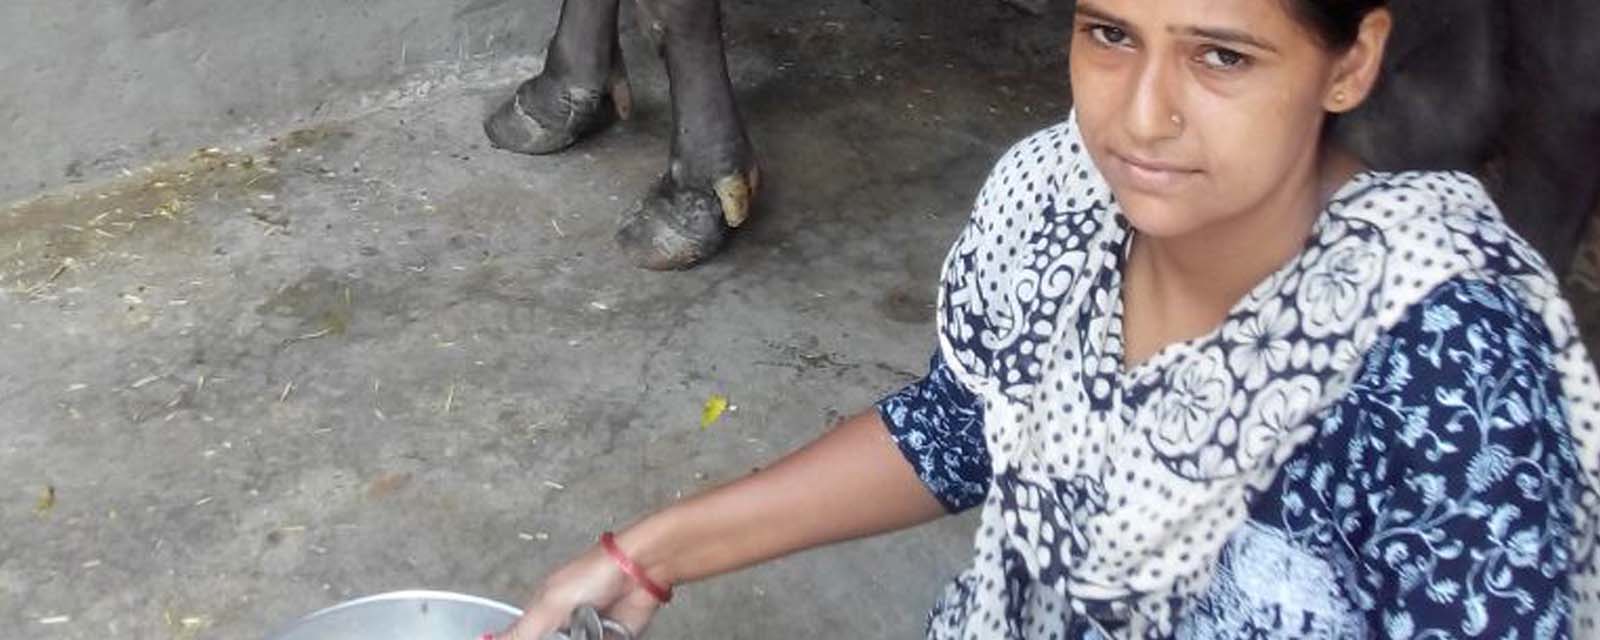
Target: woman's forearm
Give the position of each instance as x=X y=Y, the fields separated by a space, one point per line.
x=851 y=483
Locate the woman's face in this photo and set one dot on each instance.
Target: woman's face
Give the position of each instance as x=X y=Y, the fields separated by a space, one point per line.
x=1197 y=111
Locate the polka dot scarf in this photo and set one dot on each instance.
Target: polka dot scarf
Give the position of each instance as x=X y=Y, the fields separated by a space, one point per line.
x=1115 y=490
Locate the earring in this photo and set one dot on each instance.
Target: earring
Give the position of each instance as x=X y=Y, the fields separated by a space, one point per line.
x=1338 y=97
x=1177 y=119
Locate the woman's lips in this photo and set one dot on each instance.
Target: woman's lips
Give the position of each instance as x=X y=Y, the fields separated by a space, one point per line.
x=1151 y=175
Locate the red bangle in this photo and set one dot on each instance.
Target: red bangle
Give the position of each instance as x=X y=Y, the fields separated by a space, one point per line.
x=660 y=593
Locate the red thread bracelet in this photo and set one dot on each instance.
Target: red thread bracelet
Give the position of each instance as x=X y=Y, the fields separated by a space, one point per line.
x=660 y=593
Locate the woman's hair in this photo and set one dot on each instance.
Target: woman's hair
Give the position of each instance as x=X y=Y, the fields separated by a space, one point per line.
x=1335 y=22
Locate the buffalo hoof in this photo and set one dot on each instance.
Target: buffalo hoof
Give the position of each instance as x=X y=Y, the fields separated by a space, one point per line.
x=545 y=117
x=672 y=227
x=677 y=227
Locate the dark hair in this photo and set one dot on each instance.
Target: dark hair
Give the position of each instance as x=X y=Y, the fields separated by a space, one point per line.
x=1335 y=22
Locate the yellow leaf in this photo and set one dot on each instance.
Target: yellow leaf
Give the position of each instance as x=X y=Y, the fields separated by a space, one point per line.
x=715 y=405
x=47 y=500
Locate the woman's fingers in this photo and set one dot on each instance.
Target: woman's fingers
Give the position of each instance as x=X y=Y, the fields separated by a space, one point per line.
x=594 y=580
x=534 y=625
x=634 y=611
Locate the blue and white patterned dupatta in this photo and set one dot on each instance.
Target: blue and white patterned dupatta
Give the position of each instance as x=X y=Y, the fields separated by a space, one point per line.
x=1117 y=489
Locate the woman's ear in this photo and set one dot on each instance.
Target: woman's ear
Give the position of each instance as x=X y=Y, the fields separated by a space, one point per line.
x=1357 y=69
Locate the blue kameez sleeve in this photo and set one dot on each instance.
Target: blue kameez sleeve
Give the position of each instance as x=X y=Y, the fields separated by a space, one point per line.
x=1460 y=518
x=938 y=425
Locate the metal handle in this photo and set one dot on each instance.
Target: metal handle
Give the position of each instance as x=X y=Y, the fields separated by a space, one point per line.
x=586 y=624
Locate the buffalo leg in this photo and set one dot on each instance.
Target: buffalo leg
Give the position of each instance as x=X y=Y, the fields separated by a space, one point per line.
x=711 y=176
x=580 y=89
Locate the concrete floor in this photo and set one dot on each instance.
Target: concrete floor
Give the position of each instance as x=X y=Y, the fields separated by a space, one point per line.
x=378 y=355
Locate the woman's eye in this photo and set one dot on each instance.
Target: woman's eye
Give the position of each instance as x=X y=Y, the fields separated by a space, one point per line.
x=1109 y=36
x=1223 y=59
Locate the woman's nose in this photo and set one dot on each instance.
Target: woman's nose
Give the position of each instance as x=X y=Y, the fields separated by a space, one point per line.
x=1153 y=113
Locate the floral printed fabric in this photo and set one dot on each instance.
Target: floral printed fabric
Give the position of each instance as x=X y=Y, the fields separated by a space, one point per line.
x=1432 y=502
x=1447 y=476
x=1114 y=495
x=939 y=427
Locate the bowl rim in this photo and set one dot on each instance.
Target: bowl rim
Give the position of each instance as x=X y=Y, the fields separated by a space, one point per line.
x=408 y=594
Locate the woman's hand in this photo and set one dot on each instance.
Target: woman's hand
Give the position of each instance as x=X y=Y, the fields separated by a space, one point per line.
x=593 y=579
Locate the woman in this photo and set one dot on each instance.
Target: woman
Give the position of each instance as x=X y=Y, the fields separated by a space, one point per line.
x=1206 y=377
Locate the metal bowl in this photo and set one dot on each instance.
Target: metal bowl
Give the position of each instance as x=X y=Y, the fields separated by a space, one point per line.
x=405 y=615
